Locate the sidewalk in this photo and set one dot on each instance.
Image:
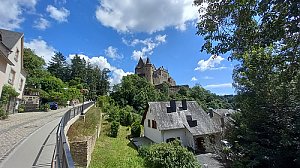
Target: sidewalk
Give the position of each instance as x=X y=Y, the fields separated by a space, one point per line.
x=25 y=136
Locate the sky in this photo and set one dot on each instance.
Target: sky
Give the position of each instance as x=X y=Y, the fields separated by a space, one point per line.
x=115 y=35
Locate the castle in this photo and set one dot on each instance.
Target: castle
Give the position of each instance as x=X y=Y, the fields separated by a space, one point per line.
x=153 y=75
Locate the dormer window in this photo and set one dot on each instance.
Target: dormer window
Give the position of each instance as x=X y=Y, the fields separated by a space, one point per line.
x=17 y=55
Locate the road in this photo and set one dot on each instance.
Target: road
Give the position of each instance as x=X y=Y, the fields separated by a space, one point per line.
x=27 y=138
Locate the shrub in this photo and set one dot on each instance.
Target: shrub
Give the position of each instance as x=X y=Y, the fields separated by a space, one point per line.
x=136 y=129
x=125 y=117
x=3 y=114
x=45 y=107
x=21 y=108
x=114 y=129
x=171 y=154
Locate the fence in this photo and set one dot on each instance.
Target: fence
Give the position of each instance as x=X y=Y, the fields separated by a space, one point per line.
x=62 y=157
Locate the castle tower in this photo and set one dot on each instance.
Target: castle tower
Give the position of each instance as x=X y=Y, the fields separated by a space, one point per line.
x=149 y=68
x=139 y=67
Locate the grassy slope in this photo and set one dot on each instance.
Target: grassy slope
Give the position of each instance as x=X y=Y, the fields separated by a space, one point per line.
x=115 y=152
x=87 y=128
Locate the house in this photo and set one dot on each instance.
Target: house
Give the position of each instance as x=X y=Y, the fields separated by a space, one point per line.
x=11 y=63
x=184 y=120
x=221 y=117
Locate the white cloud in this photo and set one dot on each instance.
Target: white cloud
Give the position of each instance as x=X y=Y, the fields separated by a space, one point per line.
x=41 y=24
x=222 y=85
x=60 y=15
x=117 y=76
x=101 y=62
x=146 y=16
x=11 y=12
x=147 y=45
x=113 y=53
x=41 y=48
x=207 y=77
x=194 y=79
x=210 y=64
x=60 y=2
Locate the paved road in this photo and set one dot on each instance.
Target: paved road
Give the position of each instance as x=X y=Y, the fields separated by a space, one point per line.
x=18 y=127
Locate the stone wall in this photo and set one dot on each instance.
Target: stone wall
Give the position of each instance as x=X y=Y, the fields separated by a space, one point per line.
x=82 y=149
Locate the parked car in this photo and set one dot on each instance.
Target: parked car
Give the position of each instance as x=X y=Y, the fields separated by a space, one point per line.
x=53 y=105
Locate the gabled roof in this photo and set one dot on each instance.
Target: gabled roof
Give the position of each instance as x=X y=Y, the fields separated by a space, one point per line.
x=178 y=119
x=10 y=38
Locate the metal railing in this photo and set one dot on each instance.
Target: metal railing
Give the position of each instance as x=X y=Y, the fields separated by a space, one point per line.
x=62 y=156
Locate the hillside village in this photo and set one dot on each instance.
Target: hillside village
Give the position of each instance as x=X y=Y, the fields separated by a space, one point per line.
x=117 y=109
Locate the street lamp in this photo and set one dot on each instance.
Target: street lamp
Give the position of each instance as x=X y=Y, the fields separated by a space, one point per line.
x=83 y=91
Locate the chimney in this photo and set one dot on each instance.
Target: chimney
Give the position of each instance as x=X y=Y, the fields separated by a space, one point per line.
x=210 y=112
x=184 y=105
x=173 y=105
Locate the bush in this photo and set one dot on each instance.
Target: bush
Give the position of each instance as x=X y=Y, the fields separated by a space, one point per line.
x=125 y=117
x=3 y=114
x=166 y=155
x=21 y=108
x=45 y=107
x=136 y=129
x=114 y=129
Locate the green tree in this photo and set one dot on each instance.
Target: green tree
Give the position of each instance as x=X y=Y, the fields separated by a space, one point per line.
x=264 y=37
x=78 y=68
x=167 y=155
x=134 y=91
x=57 y=66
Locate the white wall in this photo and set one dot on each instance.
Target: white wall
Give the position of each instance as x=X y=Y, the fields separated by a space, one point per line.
x=174 y=134
x=17 y=68
x=149 y=132
x=190 y=140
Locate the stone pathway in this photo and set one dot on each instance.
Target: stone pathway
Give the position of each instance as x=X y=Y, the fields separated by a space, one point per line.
x=209 y=160
x=19 y=126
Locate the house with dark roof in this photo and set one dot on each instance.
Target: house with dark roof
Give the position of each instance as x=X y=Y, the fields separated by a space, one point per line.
x=11 y=63
x=183 y=120
x=222 y=117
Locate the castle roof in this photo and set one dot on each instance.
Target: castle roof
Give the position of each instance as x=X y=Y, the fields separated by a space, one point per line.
x=140 y=63
x=148 y=61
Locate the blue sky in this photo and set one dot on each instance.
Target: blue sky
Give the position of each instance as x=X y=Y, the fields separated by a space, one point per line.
x=114 y=35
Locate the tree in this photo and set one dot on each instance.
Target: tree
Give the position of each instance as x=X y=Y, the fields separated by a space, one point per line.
x=166 y=155
x=78 y=68
x=57 y=66
x=264 y=37
x=134 y=91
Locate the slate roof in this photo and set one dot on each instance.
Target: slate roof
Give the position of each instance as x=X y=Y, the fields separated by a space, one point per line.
x=223 y=113
x=178 y=119
x=10 y=38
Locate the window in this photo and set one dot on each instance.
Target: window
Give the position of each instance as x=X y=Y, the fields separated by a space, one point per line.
x=154 y=124
x=17 y=55
x=21 y=84
x=149 y=123
x=11 y=78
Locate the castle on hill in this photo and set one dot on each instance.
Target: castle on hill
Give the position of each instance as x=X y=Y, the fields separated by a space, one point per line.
x=153 y=75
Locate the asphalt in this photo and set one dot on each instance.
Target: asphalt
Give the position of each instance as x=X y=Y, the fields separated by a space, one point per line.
x=27 y=140
x=36 y=150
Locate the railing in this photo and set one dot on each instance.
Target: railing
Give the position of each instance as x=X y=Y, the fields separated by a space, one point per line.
x=62 y=156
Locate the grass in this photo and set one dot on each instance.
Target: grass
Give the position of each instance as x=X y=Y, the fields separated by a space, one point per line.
x=88 y=128
x=115 y=152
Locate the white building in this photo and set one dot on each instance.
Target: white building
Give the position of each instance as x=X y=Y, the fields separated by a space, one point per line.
x=11 y=61
x=184 y=120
